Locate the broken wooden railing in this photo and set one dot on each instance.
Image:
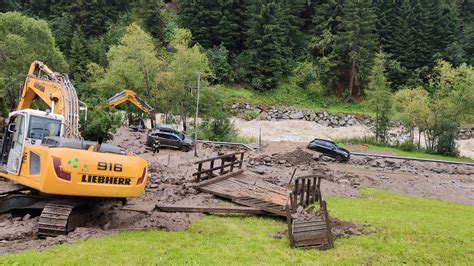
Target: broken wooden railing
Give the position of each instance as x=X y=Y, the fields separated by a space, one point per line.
x=308 y=228
x=217 y=166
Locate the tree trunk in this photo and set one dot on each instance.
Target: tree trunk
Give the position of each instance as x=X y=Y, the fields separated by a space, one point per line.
x=419 y=138
x=377 y=124
x=183 y=116
x=351 y=80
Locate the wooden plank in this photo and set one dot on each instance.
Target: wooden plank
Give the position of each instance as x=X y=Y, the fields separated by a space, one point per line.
x=307 y=192
x=319 y=244
x=211 y=169
x=206 y=209
x=219 y=157
x=259 y=206
x=310 y=229
x=316 y=237
x=218 y=179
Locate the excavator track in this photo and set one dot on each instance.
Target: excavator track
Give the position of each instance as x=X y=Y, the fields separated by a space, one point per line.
x=54 y=220
x=60 y=218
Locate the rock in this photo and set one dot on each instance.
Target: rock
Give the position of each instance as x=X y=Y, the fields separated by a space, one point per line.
x=153 y=185
x=351 y=122
x=282 y=161
x=297 y=115
x=324 y=123
x=344 y=182
x=259 y=170
x=267 y=159
x=26 y=217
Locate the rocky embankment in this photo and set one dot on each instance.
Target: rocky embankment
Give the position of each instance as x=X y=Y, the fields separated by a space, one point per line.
x=278 y=113
x=249 y=112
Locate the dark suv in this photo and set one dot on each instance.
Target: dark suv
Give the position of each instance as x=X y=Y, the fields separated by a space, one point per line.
x=330 y=149
x=170 y=137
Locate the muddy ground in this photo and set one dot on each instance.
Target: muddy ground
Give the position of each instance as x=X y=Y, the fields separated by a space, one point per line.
x=170 y=182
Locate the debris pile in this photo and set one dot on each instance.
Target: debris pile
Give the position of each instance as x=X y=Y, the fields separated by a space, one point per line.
x=289 y=159
x=131 y=140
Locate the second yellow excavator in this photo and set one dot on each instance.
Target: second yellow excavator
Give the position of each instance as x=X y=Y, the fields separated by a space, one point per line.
x=131 y=96
x=54 y=170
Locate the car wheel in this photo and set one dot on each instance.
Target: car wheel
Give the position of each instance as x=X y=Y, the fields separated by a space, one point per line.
x=185 y=148
x=338 y=158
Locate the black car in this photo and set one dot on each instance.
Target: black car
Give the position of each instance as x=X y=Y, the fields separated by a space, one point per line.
x=170 y=137
x=329 y=148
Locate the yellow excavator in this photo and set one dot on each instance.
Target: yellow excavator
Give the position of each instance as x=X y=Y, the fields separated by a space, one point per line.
x=54 y=170
x=131 y=96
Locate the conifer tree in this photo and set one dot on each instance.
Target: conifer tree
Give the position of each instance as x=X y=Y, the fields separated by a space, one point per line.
x=267 y=54
x=148 y=11
x=78 y=58
x=355 y=46
x=326 y=23
x=378 y=97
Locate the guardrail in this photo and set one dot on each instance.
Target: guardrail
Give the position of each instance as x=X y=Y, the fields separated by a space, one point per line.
x=410 y=158
x=224 y=143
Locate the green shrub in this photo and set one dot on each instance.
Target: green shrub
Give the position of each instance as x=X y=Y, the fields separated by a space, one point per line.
x=219 y=64
x=407 y=146
x=250 y=115
x=101 y=122
x=218 y=129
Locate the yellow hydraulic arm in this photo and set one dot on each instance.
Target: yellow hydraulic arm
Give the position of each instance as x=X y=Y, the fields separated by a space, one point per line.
x=131 y=96
x=56 y=91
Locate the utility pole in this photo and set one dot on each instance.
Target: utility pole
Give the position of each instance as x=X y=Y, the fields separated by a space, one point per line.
x=197 y=112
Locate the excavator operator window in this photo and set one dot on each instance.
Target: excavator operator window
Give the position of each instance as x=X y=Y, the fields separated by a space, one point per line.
x=41 y=127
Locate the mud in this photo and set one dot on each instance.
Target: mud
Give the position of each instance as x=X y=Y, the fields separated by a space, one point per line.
x=170 y=182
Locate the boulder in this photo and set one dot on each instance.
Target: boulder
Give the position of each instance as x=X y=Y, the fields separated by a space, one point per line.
x=297 y=115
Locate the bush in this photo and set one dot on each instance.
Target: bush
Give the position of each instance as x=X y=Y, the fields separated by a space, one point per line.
x=218 y=129
x=407 y=146
x=102 y=122
x=250 y=115
x=304 y=74
x=219 y=65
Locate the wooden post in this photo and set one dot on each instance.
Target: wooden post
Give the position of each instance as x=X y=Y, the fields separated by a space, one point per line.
x=210 y=172
x=222 y=166
x=241 y=160
x=308 y=192
x=199 y=172
x=302 y=192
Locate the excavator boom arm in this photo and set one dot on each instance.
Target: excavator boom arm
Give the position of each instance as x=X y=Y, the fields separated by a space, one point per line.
x=56 y=91
x=131 y=96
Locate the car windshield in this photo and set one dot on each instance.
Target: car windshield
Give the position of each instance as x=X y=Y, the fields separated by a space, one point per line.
x=180 y=135
x=41 y=127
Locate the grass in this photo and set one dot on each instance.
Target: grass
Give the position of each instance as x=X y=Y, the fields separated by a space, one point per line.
x=376 y=146
x=291 y=95
x=419 y=154
x=408 y=230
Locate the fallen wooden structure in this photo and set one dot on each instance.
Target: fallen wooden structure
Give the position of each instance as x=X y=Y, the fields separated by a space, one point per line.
x=224 y=177
x=308 y=228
